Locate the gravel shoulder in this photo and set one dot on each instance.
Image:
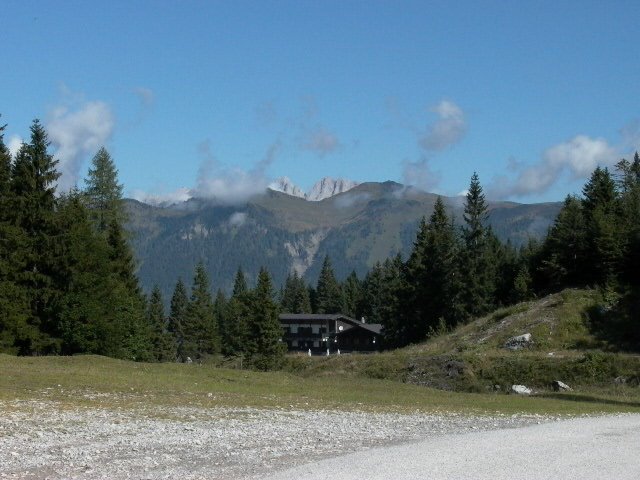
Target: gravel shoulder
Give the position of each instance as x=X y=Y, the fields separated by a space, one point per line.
x=44 y=439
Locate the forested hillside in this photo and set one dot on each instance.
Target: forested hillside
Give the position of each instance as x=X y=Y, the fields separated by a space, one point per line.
x=68 y=281
x=356 y=229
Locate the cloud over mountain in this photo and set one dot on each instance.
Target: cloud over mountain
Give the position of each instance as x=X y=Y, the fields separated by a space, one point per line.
x=447 y=130
x=76 y=130
x=577 y=157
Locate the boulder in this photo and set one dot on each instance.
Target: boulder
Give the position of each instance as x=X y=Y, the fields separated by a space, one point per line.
x=521 y=390
x=560 y=386
x=519 y=342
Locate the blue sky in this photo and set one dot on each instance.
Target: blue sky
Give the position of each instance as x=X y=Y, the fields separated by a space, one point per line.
x=206 y=97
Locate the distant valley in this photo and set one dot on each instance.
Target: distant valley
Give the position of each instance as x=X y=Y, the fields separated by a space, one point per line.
x=355 y=224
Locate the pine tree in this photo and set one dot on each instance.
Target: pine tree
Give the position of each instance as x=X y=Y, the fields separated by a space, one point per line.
x=604 y=231
x=83 y=271
x=237 y=314
x=162 y=347
x=13 y=297
x=5 y=173
x=352 y=291
x=239 y=283
x=443 y=280
x=629 y=186
x=131 y=308
x=103 y=192
x=565 y=248
x=295 y=296
x=265 y=349
x=479 y=279
x=380 y=300
x=201 y=337
x=178 y=312
x=329 y=295
x=32 y=214
x=220 y=309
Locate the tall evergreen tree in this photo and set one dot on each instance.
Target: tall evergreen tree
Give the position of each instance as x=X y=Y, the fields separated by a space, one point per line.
x=329 y=295
x=32 y=213
x=237 y=314
x=479 y=274
x=264 y=348
x=295 y=296
x=86 y=308
x=441 y=279
x=14 y=303
x=103 y=192
x=201 y=335
x=380 y=300
x=604 y=230
x=5 y=172
x=177 y=316
x=239 y=283
x=220 y=309
x=352 y=292
x=565 y=248
x=162 y=346
x=630 y=218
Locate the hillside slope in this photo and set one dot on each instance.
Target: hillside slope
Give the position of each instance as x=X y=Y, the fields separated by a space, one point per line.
x=565 y=344
x=357 y=228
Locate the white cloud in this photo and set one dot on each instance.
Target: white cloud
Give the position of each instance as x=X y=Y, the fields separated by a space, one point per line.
x=447 y=130
x=14 y=144
x=237 y=219
x=578 y=157
x=420 y=175
x=232 y=185
x=321 y=141
x=77 y=131
x=164 y=199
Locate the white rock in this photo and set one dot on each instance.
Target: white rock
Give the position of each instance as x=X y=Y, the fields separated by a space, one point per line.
x=521 y=390
x=558 y=385
x=519 y=342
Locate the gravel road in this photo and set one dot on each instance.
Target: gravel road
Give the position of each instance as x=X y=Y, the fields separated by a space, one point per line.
x=587 y=448
x=44 y=439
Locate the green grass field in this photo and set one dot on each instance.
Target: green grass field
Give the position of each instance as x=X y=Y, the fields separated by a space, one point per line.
x=92 y=381
x=466 y=370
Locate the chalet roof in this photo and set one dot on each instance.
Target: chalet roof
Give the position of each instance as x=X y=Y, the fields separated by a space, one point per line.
x=314 y=316
x=371 y=327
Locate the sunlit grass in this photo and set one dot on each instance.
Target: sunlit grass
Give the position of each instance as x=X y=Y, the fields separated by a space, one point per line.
x=92 y=381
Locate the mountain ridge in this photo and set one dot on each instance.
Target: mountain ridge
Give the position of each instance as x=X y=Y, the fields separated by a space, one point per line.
x=326 y=187
x=356 y=228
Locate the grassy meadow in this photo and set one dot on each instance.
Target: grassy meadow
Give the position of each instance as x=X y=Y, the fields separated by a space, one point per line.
x=466 y=370
x=92 y=381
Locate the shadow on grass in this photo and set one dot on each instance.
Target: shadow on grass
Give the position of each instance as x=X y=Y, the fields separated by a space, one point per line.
x=577 y=397
x=619 y=326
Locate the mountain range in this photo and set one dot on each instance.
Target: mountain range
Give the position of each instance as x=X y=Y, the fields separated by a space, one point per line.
x=323 y=188
x=284 y=229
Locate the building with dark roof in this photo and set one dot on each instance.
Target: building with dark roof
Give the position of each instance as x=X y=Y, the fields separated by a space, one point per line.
x=328 y=333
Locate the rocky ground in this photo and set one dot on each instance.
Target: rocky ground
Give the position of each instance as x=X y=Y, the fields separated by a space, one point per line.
x=45 y=439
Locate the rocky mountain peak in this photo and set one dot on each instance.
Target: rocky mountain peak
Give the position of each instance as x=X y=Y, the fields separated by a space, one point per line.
x=328 y=187
x=323 y=188
x=285 y=185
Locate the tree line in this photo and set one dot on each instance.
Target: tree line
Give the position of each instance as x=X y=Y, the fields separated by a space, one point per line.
x=68 y=282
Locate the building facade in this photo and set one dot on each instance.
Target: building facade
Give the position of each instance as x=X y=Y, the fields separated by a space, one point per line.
x=329 y=333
